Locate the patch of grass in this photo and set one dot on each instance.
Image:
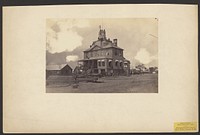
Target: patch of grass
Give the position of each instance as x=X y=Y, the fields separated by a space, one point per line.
x=146 y=83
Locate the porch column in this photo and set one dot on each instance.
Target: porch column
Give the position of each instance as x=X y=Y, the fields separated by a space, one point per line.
x=92 y=66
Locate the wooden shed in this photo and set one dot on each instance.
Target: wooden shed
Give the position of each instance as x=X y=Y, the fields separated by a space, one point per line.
x=63 y=69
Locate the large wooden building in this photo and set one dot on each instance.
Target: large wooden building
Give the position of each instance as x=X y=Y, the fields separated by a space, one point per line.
x=105 y=57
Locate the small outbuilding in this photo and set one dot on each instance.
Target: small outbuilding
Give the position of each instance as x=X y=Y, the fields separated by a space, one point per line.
x=63 y=69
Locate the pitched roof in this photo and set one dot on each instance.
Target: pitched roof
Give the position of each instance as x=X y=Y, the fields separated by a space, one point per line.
x=89 y=49
x=56 y=67
x=105 y=46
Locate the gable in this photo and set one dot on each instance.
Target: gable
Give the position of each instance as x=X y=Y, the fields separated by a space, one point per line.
x=66 y=67
x=96 y=48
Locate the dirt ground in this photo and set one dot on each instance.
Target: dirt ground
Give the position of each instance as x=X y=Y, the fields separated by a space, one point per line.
x=144 y=83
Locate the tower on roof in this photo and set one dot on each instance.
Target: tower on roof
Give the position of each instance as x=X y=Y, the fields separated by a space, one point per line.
x=102 y=34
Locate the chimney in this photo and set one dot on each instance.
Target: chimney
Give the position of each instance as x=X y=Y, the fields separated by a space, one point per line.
x=115 y=42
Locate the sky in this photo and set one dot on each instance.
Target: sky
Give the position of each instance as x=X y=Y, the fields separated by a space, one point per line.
x=66 y=39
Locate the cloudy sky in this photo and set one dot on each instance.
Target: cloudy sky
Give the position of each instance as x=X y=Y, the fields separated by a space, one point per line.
x=67 y=38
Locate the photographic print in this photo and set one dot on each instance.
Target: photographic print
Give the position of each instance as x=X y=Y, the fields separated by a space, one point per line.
x=102 y=68
x=102 y=55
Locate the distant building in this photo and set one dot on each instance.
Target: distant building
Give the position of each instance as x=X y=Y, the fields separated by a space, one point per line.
x=63 y=69
x=105 y=57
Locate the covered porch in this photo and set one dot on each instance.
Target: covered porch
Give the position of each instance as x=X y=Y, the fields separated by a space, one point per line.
x=89 y=65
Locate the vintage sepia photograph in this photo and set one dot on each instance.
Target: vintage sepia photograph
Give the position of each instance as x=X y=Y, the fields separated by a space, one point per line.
x=102 y=55
x=100 y=68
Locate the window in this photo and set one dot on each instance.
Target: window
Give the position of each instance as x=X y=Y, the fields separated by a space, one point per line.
x=103 y=63
x=116 y=63
x=120 y=53
x=86 y=55
x=125 y=65
x=110 y=64
x=99 y=63
x=120 y=64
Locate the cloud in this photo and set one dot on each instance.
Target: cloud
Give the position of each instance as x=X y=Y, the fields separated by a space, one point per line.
x=144 y=57
x=61 y=35
x=65 y=41
x=132 y=34
x=71 y=58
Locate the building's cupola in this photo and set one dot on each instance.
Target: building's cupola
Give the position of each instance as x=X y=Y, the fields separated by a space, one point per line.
x=102 y=34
